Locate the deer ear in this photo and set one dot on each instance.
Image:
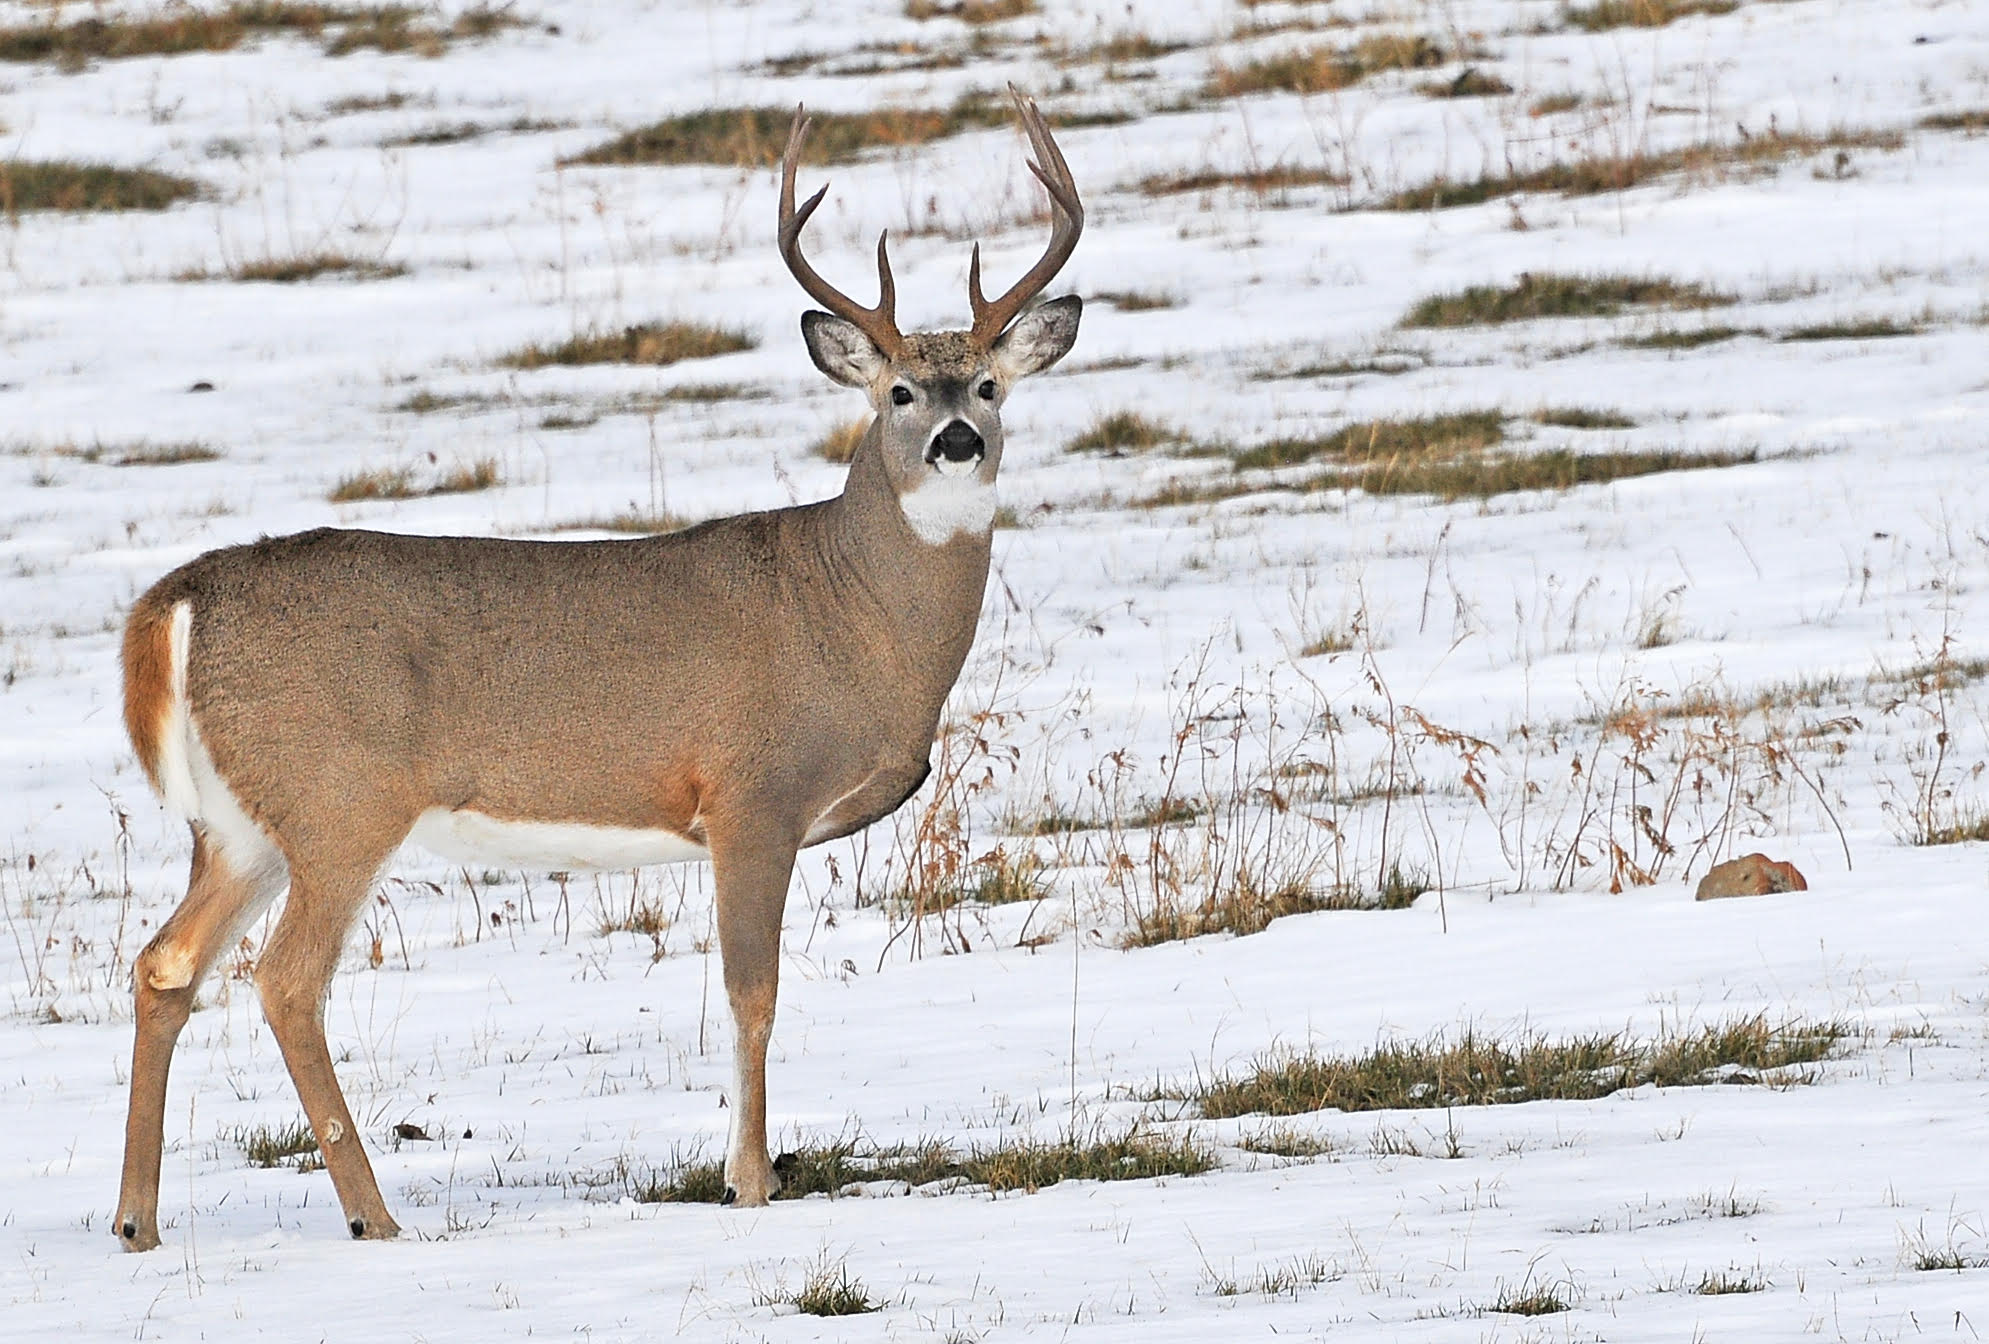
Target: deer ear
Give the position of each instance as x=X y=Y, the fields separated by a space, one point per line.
x=1038 y=338
x=841 y=350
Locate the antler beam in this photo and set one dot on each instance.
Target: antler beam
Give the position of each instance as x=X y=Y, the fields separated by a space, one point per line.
x=1067 y=223
x=880 y=324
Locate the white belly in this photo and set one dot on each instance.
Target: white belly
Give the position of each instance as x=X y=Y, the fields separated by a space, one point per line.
x=554 y=846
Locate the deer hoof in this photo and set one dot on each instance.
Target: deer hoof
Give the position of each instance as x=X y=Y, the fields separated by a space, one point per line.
x=731 y=1196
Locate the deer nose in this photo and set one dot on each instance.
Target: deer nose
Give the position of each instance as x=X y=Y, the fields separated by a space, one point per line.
x=958 y=442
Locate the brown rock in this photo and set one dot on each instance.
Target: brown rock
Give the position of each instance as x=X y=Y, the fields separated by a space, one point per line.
x=1750 y=875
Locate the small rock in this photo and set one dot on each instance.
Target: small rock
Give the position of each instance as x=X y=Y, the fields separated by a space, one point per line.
x=1750 y=875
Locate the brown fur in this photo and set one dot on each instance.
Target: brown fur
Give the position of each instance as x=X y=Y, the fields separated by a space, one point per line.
x=148 y=681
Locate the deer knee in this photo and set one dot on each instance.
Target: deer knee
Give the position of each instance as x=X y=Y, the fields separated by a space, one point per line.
x=169 y=961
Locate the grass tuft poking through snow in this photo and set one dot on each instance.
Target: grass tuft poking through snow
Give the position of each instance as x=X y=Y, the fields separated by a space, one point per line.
x=276 y=1145
x=63 y=185
x=652 y=343
x=1555 y=295
x=1478 y=1070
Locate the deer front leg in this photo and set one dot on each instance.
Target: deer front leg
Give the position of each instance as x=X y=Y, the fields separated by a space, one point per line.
x=752 y=875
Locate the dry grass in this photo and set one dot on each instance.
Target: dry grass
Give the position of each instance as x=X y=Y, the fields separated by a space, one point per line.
x=1471 y=82
x=177 y=31
x=1606 y=14
x=1555 y=469
x=839 y=442
x=755 y=136
x=1122 y=432
x=652 y=343
x=41 y=184
x=405 y=483
x=1556 y=295
x=1383 y=440
x=1137 y=300
x=301 y=267
x=1325 y=69
x=1619 y=172
x=460 y=132
x=1852 y=329
x=1257 y=181
x=1968 y=121
x=828 y=1289
x=1581 y=417
x=631 y=522
x=277 y=1145
x=974 y=12
x=1551 y=104
x=1478 y=1070
x=138 y=453
x=1687 y=338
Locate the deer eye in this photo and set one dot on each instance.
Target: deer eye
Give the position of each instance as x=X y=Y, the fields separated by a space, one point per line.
x=988 y=390
x=901 y=395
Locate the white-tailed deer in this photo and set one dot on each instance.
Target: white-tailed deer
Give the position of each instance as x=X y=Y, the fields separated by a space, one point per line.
x=734 y=691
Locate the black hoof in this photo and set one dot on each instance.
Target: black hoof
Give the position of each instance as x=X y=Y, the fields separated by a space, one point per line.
x=130 y=1230
x=731 y=1196
x=785 y=1163
x=358 y=1227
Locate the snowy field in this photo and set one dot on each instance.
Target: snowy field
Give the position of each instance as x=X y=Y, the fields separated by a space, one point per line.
x=1549 y=709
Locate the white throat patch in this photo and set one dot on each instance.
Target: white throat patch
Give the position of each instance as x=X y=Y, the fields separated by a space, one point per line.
x=946 y=505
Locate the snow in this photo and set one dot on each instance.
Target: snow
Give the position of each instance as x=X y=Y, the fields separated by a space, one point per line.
x=539 y=1051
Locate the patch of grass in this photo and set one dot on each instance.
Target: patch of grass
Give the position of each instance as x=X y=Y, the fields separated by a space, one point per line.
x=1555 y=469
x=1137 y=300
x=138 y=453
x=565 y=420
x=427 y=402
x=1852 y=329
x=1725 y=1283
x=1471 y=82
x=1972 y=120
x=1383 y=440
x=1477 y=1070
x=996 y=878
x=969 y=11
x=631 y=521
x=1025 y=1164
x=1581 y=417
x=1671 y=338
x=652 y=343
x=1284 y=1279
x=1528 y=1299
x=755 y=136
x=1606 y=14
x=1258 y=181
x=839 y=442
x=66 y=185
x=1620 y=172
x=1968 y=827
x=456 y=133
x=1551 y=104
x=1287 y=1141
x=367 y=102
x=403 y=483
x=1553 y=294
x=640 y=914
x=1127 y=48
x=828 y=1290
x=181 y=30
x=1122 y=432
x=276 y=1145
x=1325 y=69
x=301 y=267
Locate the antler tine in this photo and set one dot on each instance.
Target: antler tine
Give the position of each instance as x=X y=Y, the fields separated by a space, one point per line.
x=1067 y=223
x=880 y=324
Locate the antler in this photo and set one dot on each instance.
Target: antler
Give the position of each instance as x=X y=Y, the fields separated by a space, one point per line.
x=880 y=324
x=1067 y=222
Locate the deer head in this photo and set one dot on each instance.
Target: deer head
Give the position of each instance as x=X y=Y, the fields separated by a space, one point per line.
x=938 y=395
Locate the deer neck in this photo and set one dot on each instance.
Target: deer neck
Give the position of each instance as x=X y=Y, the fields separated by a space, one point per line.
x=924 y=594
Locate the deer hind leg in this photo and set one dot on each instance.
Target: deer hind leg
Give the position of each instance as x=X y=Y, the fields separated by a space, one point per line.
x=294 y=976
x=752 y=892
x=226 y=890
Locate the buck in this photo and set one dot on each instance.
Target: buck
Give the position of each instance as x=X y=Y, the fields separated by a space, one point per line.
x=733 y=692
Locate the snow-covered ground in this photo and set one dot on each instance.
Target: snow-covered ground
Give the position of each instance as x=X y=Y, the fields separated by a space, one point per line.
x=1498 y=702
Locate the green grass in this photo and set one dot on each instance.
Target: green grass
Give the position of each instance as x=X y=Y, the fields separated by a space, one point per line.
x=38 y=184
x=1606 y=14
x=1381 y=440
x=1479 y=1070
x=1012 y=1165
x=1122 y=432
x=828 y=1289
x=1619 y=172
x=652 y=343
x=1552 y=294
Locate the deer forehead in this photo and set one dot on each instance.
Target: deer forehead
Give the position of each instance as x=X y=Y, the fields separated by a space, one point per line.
x=941 y=356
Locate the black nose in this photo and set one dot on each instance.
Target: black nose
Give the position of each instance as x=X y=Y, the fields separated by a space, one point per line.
x=958 y=442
